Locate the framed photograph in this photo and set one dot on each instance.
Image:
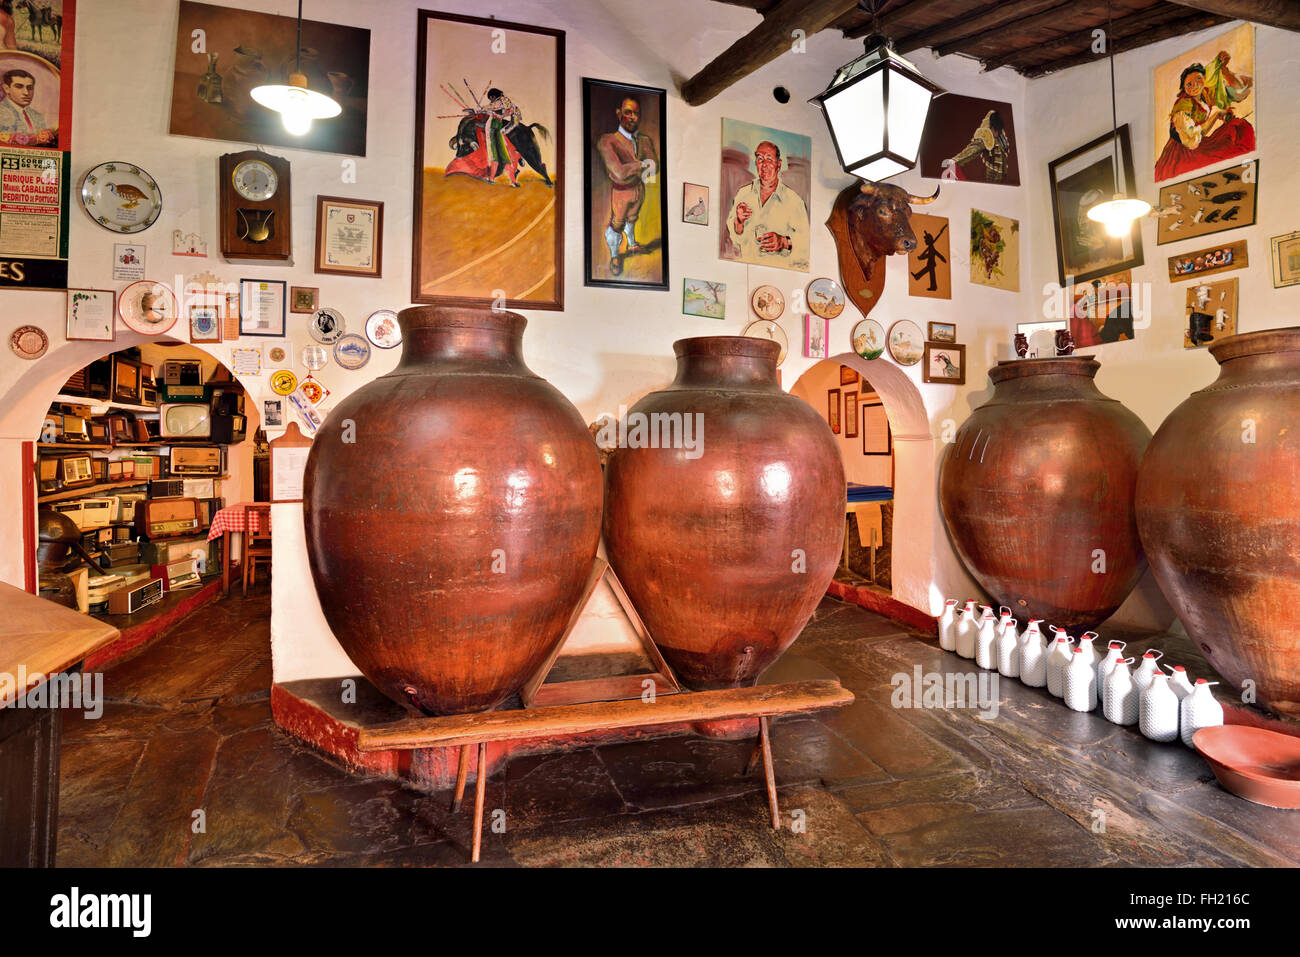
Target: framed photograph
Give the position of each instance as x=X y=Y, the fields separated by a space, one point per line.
x=1209 y=203
x=701 y=297
x=816 y=336
x=943 y=331
x=944 y=363
x=1286 y=260
x=273 y=413
x=91 y=315
x=695 y=204
x=848 y=376
x=304 y=299
x=1078 y=180
x=850 y=415
x=877 y=439
x=246 y=47
x=625 y=199
x=205 y=323
x=833 y=409
x=489 y=163
x=759 y=163
x=349 y=237
x=262 y=307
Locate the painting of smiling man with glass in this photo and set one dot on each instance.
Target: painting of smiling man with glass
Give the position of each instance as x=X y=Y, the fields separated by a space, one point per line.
x=765 y=187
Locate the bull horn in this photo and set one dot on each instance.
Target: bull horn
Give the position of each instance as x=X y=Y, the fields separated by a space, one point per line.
x=922 y=200
x=868 y=187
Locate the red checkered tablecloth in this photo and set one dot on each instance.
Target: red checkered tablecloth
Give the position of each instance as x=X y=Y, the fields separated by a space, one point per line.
x=234 y=518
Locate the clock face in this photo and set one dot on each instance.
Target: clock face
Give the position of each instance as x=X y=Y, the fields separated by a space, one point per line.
x=255 y=181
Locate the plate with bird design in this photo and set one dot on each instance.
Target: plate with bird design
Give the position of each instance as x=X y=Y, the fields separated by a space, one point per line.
x=121 y=197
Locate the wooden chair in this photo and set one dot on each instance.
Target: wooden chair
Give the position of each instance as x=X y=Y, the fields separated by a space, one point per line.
x=257 y=544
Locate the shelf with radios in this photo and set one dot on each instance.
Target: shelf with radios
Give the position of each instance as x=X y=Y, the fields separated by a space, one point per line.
x=142 y=505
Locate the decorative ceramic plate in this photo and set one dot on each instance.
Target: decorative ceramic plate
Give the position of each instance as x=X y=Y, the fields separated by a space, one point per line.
x=767 y=329
x=284 y=381
x=121 y=197
x=869 y=339
x=906 y=342
x=29 y=342
x=315 y=358
x=277 y=356
x=352 y=351
x=825 y=298
x=768 y=303
x=147 y=307
x=327 y=326
x=313 y=390
x=382 y=329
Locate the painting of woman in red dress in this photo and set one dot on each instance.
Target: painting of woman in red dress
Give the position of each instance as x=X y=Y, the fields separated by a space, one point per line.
x=1203 y=128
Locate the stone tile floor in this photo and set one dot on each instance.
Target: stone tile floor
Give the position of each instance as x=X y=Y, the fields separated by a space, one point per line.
x=188 y=727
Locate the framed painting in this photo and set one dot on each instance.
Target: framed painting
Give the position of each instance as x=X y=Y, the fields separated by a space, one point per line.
x=833 y=409
x=626 y=196
x=967 y=138
x=703 y=297
x=91 y=315
x=816 y=336
x=489 y=163
x=850 y=415
x=1286 y=260
x=1079 y=180
x=848 y=376
x=1101 y=310
x=764 y=196
x=349 y=237
x=1205 y=104
x=1209 y=203
x=994 y=250
x=695 y=204
x=944 y=362
x=877 y=439
x=943 y=331
x=243 y=49
x=929 y=269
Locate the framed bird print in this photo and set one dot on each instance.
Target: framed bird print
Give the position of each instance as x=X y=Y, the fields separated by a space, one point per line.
x=489 y=163
x=944 y=362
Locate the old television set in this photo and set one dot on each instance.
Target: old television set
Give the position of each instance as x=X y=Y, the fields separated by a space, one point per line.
x=126 y=380
x=167 y=517
x=185 y=420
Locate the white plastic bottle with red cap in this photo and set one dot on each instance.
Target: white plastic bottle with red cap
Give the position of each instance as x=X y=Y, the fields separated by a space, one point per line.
x=1058 y=659
x=1114 y=652
x=1008 y=649
x=985 y=654
x=1158 y=709
x=964 y=639
x=1120 y=703
x=1080 y=682
x=1147 y=669
x=1093 y=653
x=1199 y=710
x=947 y=625
x=1180 y=681
x=1033 y=655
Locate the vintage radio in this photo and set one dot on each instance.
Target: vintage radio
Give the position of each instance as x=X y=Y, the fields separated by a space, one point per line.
x=122 y=533
x=185 y=393
x=171 y=550
x=97 y=538
x=74 y=429
x=79 y=409
x=117 y=554
x=185 y=420
x=126 y=503
x=99 y=465
x=167 y=488
x=149 y=395
x=140 y=430
x=182 y=372
x=98 y=432
x=130 y=599
x=100 y=588
x=119 y=428
x=148 y=466
x=229 y=429
x=153 y=429
x=227 y=402
x=49 y=475
x=75 y=471
x=98 y=512
x=197 y=460
x=182 y=573
x=115 y=473
x=199 y=488
x=167 y=518
x=127 y=380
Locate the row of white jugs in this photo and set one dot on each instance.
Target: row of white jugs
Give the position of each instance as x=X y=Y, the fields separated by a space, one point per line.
x=1163 y=707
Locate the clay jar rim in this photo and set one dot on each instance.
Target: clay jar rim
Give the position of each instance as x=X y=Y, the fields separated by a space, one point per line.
x=1006 y=369
x=1263 y=342
x=727 y=346
x=460 y=317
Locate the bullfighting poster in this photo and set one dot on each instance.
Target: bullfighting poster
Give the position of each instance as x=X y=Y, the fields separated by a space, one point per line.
x=489 y=164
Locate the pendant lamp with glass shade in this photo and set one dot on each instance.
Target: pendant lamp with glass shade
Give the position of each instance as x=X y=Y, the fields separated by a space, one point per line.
x=296 y=104
x=1119 y=213
x=876 y=107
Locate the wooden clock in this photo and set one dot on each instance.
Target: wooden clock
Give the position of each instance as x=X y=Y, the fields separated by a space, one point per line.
x=255 y=210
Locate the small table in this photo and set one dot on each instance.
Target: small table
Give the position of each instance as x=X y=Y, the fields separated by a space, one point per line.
x=864 y=498
x=232 y=518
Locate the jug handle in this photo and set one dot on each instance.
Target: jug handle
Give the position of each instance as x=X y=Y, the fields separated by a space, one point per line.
x=1091 y=634
x=1157 y=652
x=1003 y=610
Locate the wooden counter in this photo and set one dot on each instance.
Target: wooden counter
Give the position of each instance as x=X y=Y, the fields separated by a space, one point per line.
x=37 y=639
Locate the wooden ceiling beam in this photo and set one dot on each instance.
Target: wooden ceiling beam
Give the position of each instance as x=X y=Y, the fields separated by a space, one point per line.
x=1173 y=28
x=1271 y=13
x=763 y=44
x=985 y=18
x=886 y=22
x=1042 y=18
x=1067 y=43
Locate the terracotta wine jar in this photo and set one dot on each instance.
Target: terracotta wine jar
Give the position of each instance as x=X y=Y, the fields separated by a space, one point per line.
x=726 y=550
x=1218 y=503
x=451 y=540
x=1036 y=481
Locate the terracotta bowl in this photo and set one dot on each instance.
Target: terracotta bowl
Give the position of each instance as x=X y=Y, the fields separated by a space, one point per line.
x=1260 y=765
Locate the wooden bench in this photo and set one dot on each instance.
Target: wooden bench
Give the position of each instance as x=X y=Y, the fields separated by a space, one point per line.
x=483 y=728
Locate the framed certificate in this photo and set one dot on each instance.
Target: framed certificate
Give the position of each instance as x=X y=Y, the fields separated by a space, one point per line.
x=91 y=314
x=261 y=307
x=349 y=237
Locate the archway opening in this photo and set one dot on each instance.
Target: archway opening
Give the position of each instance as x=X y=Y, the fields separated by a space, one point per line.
x=890 y=460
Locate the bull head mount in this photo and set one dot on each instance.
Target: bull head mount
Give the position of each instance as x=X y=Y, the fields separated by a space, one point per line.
x=870 y=221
